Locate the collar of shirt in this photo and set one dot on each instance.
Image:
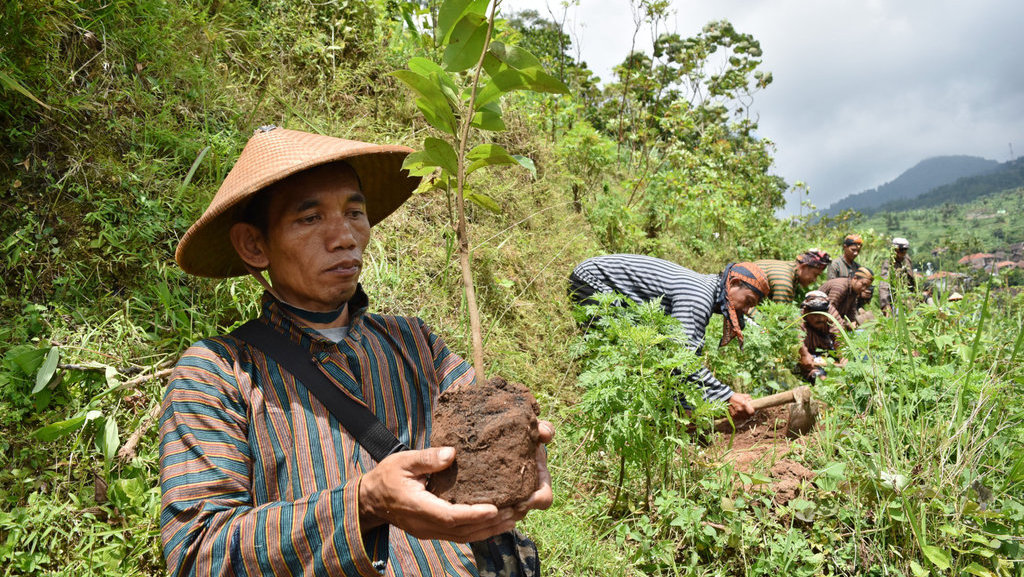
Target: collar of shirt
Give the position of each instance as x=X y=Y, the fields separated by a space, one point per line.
x=274 y=314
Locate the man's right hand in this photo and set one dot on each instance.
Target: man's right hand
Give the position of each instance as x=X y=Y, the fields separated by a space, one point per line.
x=740 y=404
x=395 y=492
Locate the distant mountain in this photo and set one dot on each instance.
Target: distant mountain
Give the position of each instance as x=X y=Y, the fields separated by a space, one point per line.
x=1006 y=176
x=923 y=177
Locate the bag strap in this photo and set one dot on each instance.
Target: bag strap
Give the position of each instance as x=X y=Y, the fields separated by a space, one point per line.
x=360 y=422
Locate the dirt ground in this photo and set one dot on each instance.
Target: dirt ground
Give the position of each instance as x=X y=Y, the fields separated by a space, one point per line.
x=760 y=445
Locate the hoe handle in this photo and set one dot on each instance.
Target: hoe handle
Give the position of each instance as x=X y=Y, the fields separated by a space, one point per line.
x=785 y=397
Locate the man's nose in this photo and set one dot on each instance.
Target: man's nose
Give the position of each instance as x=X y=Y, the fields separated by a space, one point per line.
x=341 y=234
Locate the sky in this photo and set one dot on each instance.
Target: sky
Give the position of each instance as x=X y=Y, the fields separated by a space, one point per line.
x=863 y=90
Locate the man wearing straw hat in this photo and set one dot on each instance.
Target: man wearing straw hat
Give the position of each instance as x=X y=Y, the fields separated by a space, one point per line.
x=258 y=476
x=897 y=275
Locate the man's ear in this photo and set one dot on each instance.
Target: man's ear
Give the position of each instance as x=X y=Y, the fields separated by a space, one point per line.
x=250 y=245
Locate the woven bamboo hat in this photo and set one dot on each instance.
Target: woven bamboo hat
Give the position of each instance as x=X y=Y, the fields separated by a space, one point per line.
x=271 y=155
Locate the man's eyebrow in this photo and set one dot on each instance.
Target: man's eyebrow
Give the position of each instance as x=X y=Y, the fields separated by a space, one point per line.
x=307 y=204
x=357 y=197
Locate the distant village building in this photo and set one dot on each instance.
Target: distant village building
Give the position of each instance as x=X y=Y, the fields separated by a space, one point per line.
x=978 y=260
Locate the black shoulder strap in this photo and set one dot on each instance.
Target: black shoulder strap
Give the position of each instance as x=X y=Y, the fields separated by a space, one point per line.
x=362 y=424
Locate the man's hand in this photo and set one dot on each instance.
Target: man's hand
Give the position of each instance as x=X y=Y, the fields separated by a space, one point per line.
x=395 y=492
x=740 y=404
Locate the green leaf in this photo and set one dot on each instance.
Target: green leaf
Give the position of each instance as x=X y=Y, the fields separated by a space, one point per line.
x=441 y=154
x=430 y=69
x=111 y=439
x=976 y=569
x=489 y=118
x=484 y=201
x=437 y=117
x=466 y=43
x=937 y=556
x=10 y=83
x=452 y=11
x=918 y=570
x=513 y=68
x=527 y=163
x=432 y=102
x=30 y=360
x=487 y=155
x=47 y=371
x=59 y=429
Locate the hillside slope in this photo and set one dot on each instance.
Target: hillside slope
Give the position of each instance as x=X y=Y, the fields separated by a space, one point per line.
x=1006 y=176
x=921 y=178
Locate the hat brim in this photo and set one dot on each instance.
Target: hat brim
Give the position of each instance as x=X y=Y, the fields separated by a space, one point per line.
x=206 y=249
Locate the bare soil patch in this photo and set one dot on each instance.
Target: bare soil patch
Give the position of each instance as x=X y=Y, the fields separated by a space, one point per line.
x=760 y=444
x=493 y=427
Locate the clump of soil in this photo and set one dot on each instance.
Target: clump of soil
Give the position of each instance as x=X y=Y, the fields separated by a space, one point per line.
x=493 y=428
x=761 y=442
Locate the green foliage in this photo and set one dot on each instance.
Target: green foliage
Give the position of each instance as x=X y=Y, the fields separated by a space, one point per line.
x=767 y=362
x=634 y=365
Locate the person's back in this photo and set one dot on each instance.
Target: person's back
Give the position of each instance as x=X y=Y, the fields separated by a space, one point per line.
x=780 y=275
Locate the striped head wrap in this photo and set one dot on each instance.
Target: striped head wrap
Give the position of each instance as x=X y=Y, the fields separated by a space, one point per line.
x=852 y=239
x=815 y=302
x=815 y=258
x=864 y=272
x=752 y=278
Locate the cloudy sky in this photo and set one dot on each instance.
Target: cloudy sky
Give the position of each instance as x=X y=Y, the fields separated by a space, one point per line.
x=863 y=89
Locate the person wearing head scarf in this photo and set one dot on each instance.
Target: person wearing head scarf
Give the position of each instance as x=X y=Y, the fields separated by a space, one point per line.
x=258 y=477
x=687 y=296
x=820 y=341
x=847 y=264
x=897 y=275
x=844 y=295
x=784 y=276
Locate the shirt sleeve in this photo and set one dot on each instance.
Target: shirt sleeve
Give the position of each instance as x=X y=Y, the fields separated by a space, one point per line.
x=884 y=289
x=209 y=522
x=714 y=390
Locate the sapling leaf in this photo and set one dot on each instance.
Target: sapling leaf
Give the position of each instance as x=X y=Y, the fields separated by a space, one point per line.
x=484 y=201
x=47 y=370
x=466 y=43
x=527 y=163
x=441 y=154
x=489 y=118
x=487 y=155
x=452 y=11
x=976 y=569
x=918 y=570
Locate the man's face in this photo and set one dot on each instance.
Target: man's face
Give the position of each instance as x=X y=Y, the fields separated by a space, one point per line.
x=851 y=251
x=860 y=284
x=900 y=253
x=807 y=274
x=816 y=321
x=317 y=230
x=741 y=297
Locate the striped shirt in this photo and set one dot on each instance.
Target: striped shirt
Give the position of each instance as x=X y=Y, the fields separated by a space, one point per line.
x=842 y=300
x=839 y=268
x=687 y=296
x=259 y=478
x=781 y=278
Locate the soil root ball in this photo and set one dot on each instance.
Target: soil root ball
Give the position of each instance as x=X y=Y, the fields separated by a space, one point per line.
x=493 y=428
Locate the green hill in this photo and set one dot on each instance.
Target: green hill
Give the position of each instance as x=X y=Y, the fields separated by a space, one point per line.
x=1006 y=176
x=914 y=182
x=983 y=225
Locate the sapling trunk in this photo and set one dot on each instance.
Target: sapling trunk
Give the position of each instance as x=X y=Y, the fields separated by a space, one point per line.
x=460 y=203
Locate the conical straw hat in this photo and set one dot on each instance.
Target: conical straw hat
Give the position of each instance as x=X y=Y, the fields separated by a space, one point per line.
x=271 y=155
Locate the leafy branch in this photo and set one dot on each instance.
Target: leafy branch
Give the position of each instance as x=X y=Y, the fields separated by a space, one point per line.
x=465 y=32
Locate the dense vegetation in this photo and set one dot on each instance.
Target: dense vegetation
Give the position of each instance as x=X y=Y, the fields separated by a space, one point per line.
x=120 y=119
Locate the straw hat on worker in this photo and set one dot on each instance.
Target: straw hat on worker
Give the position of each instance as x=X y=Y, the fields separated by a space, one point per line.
x=271 y=155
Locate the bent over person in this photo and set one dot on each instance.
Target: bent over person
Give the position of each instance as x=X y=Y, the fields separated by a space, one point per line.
x=687 y=296
x=784 y=276
x=258 y=476
x=844 y=296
